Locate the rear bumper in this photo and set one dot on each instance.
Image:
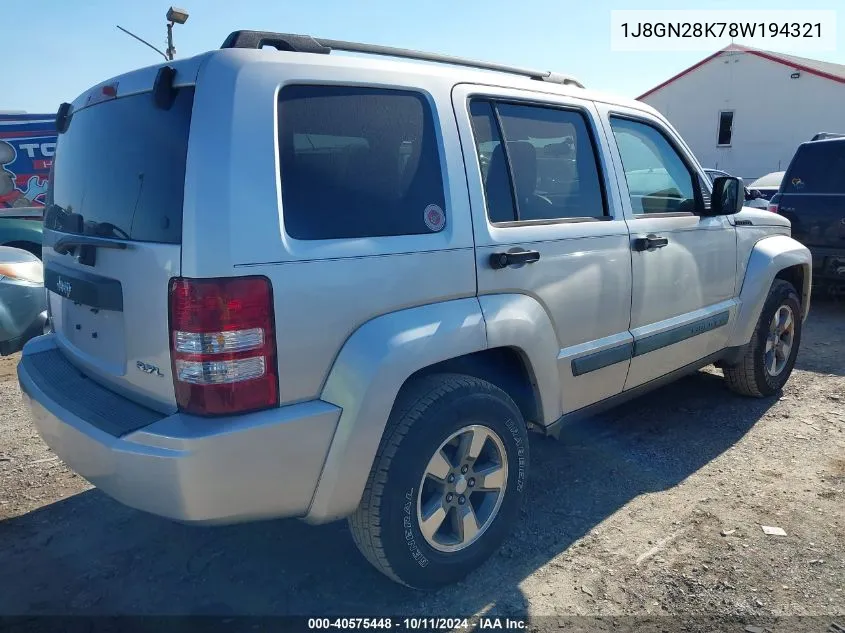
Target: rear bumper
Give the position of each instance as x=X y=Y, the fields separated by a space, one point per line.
x=210 y=470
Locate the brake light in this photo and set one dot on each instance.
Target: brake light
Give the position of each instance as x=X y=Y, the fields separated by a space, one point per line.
x=223 y=345
x=774 y=203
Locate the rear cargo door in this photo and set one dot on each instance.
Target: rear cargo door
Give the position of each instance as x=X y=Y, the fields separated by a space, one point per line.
x=813 y=195
x=112 y=240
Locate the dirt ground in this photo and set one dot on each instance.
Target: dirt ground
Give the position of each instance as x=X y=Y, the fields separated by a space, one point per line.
x=651 y=509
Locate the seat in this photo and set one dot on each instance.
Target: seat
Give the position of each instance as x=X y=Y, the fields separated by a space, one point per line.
x=497 y=188
x=523 y=158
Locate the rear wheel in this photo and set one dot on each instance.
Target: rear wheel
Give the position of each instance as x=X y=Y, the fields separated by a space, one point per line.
x=770 y=356
x=447 y=482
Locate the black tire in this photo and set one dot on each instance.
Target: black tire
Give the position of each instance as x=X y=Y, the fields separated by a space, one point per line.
x=428 y=410
x=749 y=377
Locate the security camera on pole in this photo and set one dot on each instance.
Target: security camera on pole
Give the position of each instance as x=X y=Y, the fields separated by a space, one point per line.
x=174 y=16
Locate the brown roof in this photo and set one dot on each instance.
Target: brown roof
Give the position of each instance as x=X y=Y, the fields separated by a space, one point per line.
x=828 y=70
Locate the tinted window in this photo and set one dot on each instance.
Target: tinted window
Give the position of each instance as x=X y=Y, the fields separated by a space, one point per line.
x=120 y=170
x=494 y=168
x=726 y=122
x=549 y=154
x=358 y=162
x=817 y=168
x=658 y=179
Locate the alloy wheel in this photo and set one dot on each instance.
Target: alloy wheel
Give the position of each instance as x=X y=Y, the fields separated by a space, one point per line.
x=779 y=340
x=462 y=488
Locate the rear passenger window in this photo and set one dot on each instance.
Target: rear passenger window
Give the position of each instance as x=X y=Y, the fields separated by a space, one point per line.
x=818 y=167
x=358 y=162
x=547 y=168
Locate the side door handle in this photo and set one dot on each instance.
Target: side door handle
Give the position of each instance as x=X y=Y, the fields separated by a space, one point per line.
x=650 y=242
x=501 y=260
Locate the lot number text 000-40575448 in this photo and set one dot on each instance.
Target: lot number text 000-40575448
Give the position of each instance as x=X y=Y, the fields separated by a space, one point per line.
x=417 y=623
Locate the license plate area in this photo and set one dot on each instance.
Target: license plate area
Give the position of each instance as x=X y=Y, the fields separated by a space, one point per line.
x=98 y=335
x=87 y=313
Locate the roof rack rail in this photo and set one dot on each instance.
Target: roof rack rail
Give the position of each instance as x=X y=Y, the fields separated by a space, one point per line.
x=307 y=44
x=821 y=136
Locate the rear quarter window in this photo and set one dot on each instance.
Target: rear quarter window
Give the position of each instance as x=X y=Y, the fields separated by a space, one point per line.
x=818 y=167
x=358 y=162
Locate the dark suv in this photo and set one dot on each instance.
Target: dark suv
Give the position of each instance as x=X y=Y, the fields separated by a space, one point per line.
x=812 y=197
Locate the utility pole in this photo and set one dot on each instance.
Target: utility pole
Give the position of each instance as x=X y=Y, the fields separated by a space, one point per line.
x=174 y=16
x=171 y=50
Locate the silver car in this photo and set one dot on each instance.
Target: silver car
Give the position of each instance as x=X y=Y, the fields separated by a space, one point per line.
x=769 y=184
x=23 y=301
x=327 y=287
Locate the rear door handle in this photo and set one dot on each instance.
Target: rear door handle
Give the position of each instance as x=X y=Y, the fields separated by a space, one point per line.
x=650 y=242
x=500 y=260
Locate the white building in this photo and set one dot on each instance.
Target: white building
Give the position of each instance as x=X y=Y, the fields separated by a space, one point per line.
x=745 y=111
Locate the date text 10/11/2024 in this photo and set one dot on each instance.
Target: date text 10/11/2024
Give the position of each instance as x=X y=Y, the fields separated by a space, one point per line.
x=418 y=624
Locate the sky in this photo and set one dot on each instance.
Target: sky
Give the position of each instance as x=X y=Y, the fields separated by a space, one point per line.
x=56 y=49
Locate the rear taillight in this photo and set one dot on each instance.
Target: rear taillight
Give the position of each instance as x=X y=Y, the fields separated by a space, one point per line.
x=223 y=345
x=774 y=203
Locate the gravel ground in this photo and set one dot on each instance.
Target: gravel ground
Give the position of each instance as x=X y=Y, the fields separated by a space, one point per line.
x=652 y=509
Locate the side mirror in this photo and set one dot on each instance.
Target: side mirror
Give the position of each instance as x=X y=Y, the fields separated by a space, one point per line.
x=727 y=197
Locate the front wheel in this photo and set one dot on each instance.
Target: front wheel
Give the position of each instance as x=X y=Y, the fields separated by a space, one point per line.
x=770 y=356
x=447 y=482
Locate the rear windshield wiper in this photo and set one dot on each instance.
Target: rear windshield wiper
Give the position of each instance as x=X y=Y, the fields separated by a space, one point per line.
x=67 y=243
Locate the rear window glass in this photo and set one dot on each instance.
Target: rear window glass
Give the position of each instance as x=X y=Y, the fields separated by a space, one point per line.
x=119 y=170
x=817 y=168
x=358 y=162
